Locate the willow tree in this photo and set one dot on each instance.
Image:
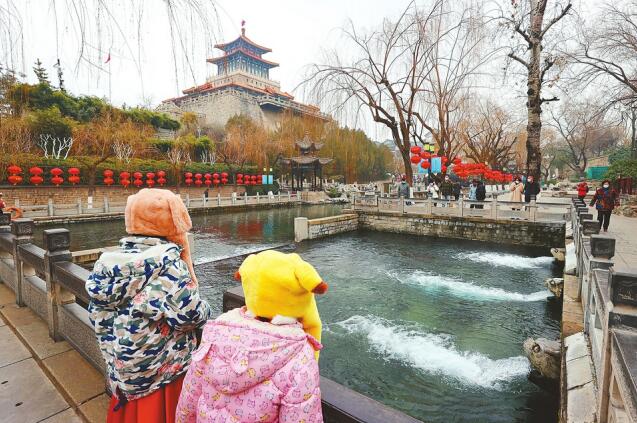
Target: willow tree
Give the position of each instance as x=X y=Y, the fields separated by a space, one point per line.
x=527 y=21
x=381 y=74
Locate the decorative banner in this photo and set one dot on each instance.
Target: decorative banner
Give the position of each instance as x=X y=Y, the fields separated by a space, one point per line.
x=436 y=165
x=264 y=179
x=270 y=179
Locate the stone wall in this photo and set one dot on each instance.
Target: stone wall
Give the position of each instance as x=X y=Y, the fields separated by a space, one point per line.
x=39 y=196
x=326 y=226
x=520 y=232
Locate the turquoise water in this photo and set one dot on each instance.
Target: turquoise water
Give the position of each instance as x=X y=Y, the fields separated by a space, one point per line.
x=433 y=327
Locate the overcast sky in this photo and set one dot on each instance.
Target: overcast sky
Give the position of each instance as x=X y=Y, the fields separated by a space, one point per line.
x=298 y=31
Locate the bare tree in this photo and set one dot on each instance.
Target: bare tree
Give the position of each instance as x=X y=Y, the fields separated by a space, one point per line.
x=124 y=151
x=454 y=58
x=490 y=136
x=209 y=156
x=526 y=20
x=55 y=147
x=581 y=126
x=388 y=69
x=608 y=53
x=178 y=156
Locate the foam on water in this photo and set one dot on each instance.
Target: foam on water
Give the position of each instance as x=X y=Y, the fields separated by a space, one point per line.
x=435 y=353
x=506 y=260
x=468 y=289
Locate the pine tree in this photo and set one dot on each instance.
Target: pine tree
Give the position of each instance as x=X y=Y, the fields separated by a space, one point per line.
x=40 y=73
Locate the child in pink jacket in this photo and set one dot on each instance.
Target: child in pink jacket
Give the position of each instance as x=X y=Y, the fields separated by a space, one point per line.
x=256 y=364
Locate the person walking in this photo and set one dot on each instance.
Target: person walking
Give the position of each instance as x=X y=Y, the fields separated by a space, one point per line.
x=481 y=194
x=531 y=189
x=403 y=188
x=605 y=200
x=145 y=308
x=582 y=189
x=516 y=189
x=446 y=190
x=473 y=188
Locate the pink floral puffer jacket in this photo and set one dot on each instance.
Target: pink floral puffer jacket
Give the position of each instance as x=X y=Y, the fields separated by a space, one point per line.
x=250 y=371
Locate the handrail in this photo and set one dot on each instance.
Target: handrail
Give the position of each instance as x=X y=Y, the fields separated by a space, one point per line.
x=72 y=278
x=6 y=242
x=32 y=255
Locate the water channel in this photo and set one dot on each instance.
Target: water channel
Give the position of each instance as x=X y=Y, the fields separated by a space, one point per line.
x=432 y=327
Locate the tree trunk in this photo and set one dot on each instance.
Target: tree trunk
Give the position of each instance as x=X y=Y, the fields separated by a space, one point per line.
x=534 y=111
x=92 y=171
x=409 y=174
x=633 y=134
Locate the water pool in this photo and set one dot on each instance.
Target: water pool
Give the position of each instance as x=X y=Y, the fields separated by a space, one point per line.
x=433 y=327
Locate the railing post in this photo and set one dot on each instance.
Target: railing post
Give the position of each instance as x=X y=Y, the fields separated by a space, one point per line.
x=107 y=208
x=494 y=208
x=279 y=196
x=219 y=199
x=187 y=200
x=234 y=198
x=402 y=204
x=79 y=206
x=203 y=200
x=257 y=197
x=22 y=230
x=532 y=211
x=50 y=203
x=429 y=206
x=461 y=207
x=289 y=196
x=57 y=243
x=245 y=197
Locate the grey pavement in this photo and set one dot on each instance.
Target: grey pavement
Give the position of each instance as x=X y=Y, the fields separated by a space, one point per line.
x=624 y=230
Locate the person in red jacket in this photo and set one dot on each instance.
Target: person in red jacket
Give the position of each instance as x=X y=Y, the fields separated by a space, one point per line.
x=582 y=189
x=605 y=200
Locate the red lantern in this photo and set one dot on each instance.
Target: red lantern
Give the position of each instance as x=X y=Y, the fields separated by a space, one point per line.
x=444 y=159
x=14 y=179
x=425 y=164
x=224 y=175
x=138 y=183
x=107 y=181
x=259 y=179
x=425 y=155
x=124 y=175
x=137 y=175
x=161 y=174
x=150 y=179
x=198 y=182
x=457 y=161
x=35 y=171
x=161 y=181
x=124 y=182
x=216 y=182
x=73 y=171
x=224 y=180
x=57 y=180
x=74 y=179
x=35 y=180
x=443 y=168
x=415 y=159
x=14 y=170
x=198 y=175
x=415 y=149
x=107 y=173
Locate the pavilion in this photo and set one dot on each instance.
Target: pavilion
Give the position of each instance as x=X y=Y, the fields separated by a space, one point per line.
x=307 y=164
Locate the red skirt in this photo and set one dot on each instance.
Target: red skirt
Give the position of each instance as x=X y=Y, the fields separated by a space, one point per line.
x=158 y=407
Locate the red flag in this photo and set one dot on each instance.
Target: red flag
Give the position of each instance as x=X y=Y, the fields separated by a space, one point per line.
x=108 y=59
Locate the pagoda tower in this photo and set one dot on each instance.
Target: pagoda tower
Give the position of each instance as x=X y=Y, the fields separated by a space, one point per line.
x=241 y=85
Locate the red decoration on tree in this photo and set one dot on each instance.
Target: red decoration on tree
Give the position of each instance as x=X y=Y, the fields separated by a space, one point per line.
x=224 y=175
x=415 y=159
x=457 y=161
x=14 y=169
x=124 y=179
x=443 y=168
x=425 y=155
x=161 y=178
x=425 y=164
x=415 y=149
x=444 y=159
x=138 y=179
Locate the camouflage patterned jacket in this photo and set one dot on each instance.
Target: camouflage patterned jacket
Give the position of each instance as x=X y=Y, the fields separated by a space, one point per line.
x=145 y=309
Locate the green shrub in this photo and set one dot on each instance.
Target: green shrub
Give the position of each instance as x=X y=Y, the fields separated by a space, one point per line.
x=623 y=168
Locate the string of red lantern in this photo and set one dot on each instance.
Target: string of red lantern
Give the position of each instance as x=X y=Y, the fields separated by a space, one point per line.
x=56 y=178
x=14 y=174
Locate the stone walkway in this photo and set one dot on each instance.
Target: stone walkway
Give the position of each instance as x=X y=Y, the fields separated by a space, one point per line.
x=624 y=230
x=42 y=380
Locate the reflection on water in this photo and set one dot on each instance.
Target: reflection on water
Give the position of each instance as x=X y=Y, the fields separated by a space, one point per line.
x=433 y=327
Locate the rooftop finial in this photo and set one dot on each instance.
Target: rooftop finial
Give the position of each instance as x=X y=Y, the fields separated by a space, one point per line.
x=243 y=27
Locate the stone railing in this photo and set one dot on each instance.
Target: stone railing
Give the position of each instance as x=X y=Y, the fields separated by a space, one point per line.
x=494 y=209
x=104 y=206
x=49 y=283
x=609 y=303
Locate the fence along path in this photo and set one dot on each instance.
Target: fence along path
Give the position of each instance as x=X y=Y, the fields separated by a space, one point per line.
x=49 y=283
x=493 y=209
x=103 y=206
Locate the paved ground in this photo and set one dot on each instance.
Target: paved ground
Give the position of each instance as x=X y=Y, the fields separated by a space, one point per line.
x=624 y=230
x=42 y=380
